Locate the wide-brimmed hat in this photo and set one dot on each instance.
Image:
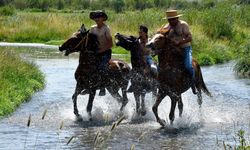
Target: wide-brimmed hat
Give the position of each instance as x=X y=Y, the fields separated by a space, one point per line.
x=170 y=14
x=98 y=14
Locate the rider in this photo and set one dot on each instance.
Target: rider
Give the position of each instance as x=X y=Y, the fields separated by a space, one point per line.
x=105 y=43
x=180 y=35
x=146 y=53
x=143 y=39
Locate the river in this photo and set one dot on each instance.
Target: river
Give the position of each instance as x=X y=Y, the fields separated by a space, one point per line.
x=217 y=121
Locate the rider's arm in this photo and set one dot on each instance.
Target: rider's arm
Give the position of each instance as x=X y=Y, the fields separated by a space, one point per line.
x=187 y=36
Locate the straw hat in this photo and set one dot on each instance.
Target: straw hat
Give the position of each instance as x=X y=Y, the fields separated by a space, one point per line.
x=170 y=14
x=97 y=14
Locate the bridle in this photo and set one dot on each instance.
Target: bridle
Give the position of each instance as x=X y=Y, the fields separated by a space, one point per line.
x=82 y=40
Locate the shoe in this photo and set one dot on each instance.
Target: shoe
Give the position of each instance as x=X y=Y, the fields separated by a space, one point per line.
x=153 y=70
x=130 y=89
x=102 y=92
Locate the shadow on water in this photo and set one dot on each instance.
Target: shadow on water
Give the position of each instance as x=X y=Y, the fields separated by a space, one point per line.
x=83 y=122
x=173 y=130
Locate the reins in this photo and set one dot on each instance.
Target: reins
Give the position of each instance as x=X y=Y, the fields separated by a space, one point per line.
x=83 y=38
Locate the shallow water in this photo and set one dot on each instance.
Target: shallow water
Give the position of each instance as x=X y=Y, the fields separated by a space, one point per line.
x=218 y=120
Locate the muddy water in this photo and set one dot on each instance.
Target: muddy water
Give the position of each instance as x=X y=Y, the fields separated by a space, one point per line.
x=218 y=120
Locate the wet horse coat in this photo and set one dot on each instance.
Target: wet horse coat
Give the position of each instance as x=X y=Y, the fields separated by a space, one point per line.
x=173 y=78
x=87 y=76
x=140 y=80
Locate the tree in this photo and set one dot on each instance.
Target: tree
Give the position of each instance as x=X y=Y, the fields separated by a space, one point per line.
x=60 y=4
x=118 y=5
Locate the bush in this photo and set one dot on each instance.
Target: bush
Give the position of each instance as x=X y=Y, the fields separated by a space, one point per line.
x=220 y=53
x=218 y=22
x=243 y=63
x=118 y=5
x=205 y=59
x=7 y=11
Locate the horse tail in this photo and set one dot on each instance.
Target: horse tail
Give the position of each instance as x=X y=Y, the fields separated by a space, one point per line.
x=201 y=83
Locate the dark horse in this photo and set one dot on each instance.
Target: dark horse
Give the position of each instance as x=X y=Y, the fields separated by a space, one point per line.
x=141 y=78
x=173 y=78
x=87 y=76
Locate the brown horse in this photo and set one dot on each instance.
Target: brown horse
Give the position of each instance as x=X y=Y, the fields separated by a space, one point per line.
x=87 y=75
x=173 y=78
x=141 y=79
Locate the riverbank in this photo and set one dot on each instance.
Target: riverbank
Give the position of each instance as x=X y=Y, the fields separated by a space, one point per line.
x=214 y=40
x=19 y=80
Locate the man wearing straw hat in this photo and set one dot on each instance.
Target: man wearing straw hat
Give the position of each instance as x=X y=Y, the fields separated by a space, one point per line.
x=180 y=35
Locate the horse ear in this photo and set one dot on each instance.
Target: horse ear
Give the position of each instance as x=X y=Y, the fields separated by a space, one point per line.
x=82 y=29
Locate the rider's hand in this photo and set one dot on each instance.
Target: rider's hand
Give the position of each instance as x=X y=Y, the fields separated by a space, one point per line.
x=176 y=42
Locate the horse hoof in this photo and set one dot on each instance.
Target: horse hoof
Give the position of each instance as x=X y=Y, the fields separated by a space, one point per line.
x=76 y=113
x=162 y=122
x=143 y=112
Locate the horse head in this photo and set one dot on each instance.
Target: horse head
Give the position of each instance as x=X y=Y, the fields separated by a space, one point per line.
x=126 y=42
x=158 y=42
x=80 y=41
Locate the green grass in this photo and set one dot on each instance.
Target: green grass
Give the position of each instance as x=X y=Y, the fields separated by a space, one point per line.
x=19 y=80
x=220 y=29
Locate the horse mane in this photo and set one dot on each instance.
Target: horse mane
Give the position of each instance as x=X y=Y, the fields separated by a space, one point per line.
x=163 y=31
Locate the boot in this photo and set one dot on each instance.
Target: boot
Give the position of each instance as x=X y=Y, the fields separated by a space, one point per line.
x=154 y=70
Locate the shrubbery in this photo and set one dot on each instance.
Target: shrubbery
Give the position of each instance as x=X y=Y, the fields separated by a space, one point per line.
x=7 y=11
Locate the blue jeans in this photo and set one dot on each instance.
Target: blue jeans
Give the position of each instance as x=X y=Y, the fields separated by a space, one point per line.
x=149 y=60
x=105 y=57
x=151 y=64
x=188 y=61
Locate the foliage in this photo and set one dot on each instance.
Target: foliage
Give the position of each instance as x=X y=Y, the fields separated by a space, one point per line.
x=7 y=11
x=118 y=5
x=221 y=27
x=243 y=64
x=19 y=80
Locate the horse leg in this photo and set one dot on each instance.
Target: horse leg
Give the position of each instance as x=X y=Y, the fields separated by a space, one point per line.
x=174 y=100
x=154 y=89
x=124 y=97
x=114 y=93
x=199 y=97
x=180 y=105
x=137 y=101
x=74 y=98
x=143 y=109
x=92 y=93
x=160 y=97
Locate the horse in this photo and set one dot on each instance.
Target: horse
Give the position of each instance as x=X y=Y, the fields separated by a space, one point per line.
x=87 y=75
x=173 y=78
x=140 y=80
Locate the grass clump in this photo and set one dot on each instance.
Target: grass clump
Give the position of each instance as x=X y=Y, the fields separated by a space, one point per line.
x=19 y=80
x=242 y=66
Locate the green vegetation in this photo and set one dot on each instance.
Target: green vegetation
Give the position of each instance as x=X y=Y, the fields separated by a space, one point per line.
x=19 y=80
x=243 y=143
x=220 y=28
